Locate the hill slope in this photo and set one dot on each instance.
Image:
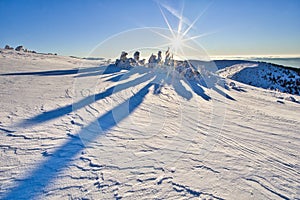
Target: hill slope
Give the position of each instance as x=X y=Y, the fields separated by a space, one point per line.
x=265 y=75
x=82 y=129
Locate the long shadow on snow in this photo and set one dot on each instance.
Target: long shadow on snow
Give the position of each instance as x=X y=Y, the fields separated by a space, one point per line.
x=196 y=87
x=59 y=112
x=100 y=69
x=46 y=171
x=212 y=82
x=146 y=75
x=38 y=179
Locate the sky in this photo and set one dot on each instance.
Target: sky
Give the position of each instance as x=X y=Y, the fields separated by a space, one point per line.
x=80 y=27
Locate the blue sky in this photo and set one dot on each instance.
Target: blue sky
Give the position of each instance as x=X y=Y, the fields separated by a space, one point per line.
x=76 y=27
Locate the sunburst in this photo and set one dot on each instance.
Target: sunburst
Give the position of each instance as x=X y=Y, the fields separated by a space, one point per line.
x=179 y=38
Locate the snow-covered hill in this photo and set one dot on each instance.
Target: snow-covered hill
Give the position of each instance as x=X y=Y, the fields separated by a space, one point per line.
x=261 y=74
x=73 y=128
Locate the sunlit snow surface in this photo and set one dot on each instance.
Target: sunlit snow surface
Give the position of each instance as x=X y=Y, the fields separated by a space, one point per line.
x=82 y=129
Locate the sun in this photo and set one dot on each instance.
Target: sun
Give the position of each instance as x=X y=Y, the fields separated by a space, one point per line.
x=178 y=39
x=177 y=43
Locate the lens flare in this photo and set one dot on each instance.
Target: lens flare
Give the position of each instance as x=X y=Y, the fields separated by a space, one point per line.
x=178 y=39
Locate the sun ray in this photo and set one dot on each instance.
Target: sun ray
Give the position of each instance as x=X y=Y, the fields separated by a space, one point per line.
x=194 y=22
x=191 y=26
x=161 y=34
x=175 y=42
x=184 y=20
x=182 y=53
x=166 y=20
x=198 y=36
x=179 y=38
x=180 y=20
x=190 y=47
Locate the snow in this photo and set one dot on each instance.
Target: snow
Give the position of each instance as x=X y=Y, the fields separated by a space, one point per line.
x=74 y=128
x=265 y=75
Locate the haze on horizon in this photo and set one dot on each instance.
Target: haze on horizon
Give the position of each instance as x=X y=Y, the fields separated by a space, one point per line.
x=229 y=28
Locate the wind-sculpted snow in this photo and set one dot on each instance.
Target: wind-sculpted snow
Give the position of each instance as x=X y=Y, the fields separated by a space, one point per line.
x=82 y=129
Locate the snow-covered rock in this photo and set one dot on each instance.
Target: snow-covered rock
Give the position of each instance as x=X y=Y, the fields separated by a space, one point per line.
x=20 y=48
x=8 y=47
